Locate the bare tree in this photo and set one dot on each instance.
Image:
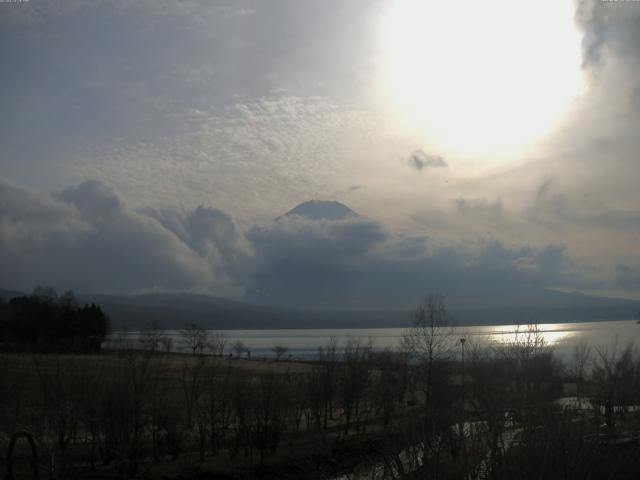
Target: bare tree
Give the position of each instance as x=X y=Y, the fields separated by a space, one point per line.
x=354 y=379
x=194 y=337
x=431 y=336
x=166 y=341
x=614 y=379
x=60 y=391
x=192 y=383
x=530 y=357
x=279 y=351
x=240 y=347
x=327 y=377
x=217 y=343
x=150 y=338
x=580 y=358
x=431 y=340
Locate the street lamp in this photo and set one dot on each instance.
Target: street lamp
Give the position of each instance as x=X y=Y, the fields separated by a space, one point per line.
x=464 y=442
x=462 y=342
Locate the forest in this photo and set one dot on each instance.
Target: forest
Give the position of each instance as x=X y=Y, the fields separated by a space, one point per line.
x=46 y=321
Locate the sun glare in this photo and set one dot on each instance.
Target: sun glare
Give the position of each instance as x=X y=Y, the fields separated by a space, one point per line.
x=479 y=78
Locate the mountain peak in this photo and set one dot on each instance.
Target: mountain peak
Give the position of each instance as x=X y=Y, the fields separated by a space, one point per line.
x=322 y=210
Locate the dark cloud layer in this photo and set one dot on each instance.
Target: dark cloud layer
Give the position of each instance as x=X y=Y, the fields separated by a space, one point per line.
x=307 y=265
x=356 y=263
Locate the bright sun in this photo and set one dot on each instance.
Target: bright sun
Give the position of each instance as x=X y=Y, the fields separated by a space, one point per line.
x=478 y=78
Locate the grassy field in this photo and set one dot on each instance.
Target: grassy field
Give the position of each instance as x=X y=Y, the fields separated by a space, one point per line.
x=119 y=412
x=136 y=414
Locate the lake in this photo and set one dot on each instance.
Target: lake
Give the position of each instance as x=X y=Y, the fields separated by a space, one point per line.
x=304 y=343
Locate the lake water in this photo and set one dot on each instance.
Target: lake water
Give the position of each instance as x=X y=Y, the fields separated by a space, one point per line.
x=304 y=343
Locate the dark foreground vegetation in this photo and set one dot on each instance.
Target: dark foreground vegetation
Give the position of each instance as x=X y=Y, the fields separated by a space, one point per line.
x=438 y=408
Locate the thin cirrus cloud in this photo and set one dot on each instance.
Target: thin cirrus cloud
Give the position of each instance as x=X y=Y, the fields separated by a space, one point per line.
x=269 y=152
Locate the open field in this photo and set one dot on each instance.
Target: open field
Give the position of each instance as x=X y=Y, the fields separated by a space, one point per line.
x=353 y=413
x=96 y=413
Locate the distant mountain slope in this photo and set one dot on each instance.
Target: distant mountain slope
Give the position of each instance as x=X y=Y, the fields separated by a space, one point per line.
x=322 y=210
x=174 y=310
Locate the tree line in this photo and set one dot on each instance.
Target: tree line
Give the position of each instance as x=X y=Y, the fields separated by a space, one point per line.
x=46 y=321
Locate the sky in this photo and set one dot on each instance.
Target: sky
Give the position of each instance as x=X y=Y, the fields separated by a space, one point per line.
x=488 y=149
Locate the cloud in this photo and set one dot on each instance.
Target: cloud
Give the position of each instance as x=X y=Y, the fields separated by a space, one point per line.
x=211 y=233
x=557 y=209
x=544 y=188
x=252 y=158
x=252 y=109
x=356 y=263
x=94 y=200
x=88 y=239
x=419 y=160
x=143 y=70
x=307 y=262
x=198 y=228
x=27 y=219
x=480 y=208
x=609 y=29
x=627 y=278
x=315 y=242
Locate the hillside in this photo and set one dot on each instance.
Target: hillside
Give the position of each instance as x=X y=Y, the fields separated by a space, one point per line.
x=173 y=310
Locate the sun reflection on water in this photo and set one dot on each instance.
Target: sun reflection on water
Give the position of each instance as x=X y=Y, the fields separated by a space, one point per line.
x=544 y=334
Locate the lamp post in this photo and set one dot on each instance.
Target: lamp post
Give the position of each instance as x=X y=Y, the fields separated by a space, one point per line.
x=462 y=434
x=462 y=342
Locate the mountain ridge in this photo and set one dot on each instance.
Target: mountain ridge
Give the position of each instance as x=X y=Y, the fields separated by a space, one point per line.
x=173 y=310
